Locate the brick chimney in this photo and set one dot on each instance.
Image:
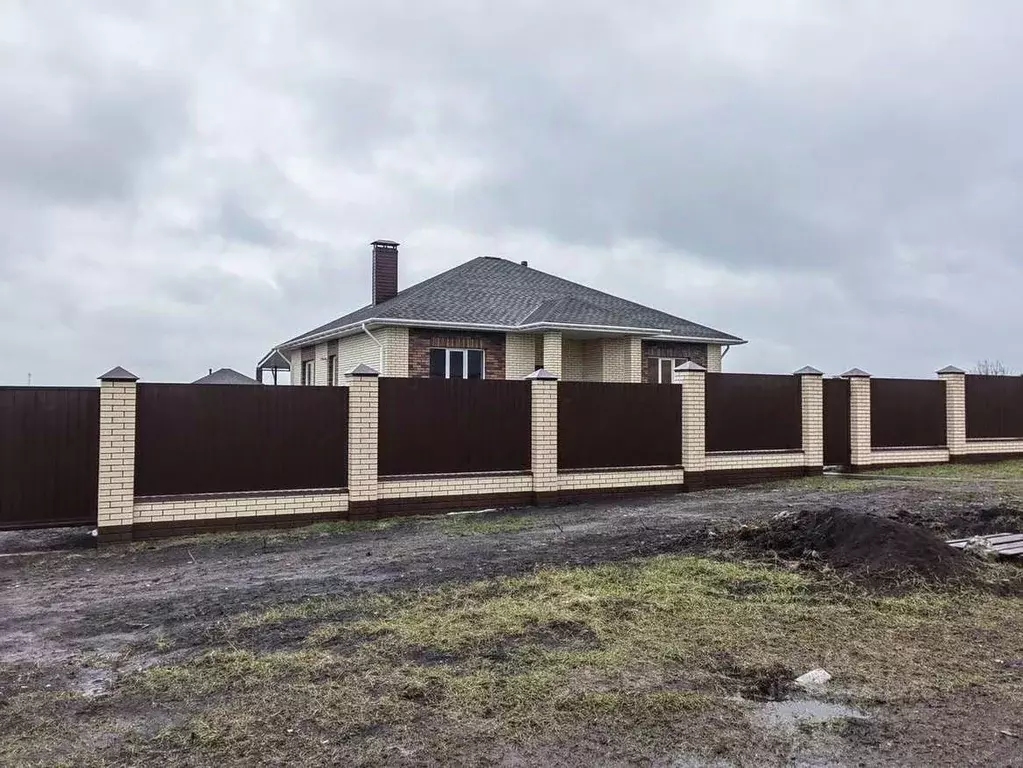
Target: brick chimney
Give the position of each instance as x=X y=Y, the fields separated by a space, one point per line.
x=385 y=270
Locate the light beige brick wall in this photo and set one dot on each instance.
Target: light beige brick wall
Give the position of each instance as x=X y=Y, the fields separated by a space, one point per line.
x=552 y=353
x=593 y=360
x=584 y=481
x=218 y=508
x=573 y=360
x=296 y=367
x=320 y=361
x=754 y=460
x=859 y=420
x=116 y=494
x=714 y=358
x=812 y=390
x=395 y=341
x=363 y=409
x=355 y=350
x=634 y=360
x=908 y=456
x=955 y=412
x=469 y=485
x=993 y=446
x=694 y=428
x=614 y=354
x=544 y=429
x=520 y=355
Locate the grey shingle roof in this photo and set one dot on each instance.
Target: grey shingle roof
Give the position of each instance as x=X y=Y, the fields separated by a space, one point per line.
x=226 y=376
x=494 y=291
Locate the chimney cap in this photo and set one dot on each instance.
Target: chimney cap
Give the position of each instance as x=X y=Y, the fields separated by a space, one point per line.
x=388 y=243
x=523 y=263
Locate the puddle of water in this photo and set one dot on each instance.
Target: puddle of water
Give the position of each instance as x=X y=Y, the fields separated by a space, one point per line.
x=789 y=714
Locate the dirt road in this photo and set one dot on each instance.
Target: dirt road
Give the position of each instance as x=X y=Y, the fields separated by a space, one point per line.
x=76 y=620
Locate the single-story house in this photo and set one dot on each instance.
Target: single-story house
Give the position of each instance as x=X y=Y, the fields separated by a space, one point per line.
x=497 y=319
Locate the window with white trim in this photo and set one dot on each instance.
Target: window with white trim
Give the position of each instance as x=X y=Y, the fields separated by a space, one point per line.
x=665 y=366
x=331 y=370
x=456 y=363
x=308 y=372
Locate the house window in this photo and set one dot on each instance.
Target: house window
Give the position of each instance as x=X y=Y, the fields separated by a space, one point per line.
x=456 y=364
x=665 y=366
x=332 y=370
x=308 y=372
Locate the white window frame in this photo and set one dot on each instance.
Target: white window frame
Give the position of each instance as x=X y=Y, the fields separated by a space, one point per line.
x=465 y=369
x=675 y=362
x=331 y=370
x=310 y=380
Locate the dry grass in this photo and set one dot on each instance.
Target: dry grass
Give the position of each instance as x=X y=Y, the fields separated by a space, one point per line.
x=1000 y=470
x=651 y=651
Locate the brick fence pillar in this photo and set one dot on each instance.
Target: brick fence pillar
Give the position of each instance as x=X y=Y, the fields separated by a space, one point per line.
x=544 y=431
x=955 y=409
x=693 y=378
x=812 y=391
x=116 y=488
x=363 y=441
x=859 y=417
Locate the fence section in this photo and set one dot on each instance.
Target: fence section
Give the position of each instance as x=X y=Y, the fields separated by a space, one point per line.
x=618 y=425
x=753 y=412
x=49 y=456
x=194 y=438
x=837 y=445
x=451 y=426
x=994 y=407
x=907 y=413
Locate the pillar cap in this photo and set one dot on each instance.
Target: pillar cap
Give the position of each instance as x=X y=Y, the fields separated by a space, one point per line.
x=951 y=369
x=855 y=373
x=689 y=365
x=118 y=374
x=807 y=370
x=363 y=370
x=541 y=374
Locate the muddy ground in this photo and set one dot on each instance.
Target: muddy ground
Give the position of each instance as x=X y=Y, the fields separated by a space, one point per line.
x=78 y=620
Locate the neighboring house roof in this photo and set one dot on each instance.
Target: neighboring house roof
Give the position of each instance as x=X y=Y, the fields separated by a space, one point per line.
x=225 y=376
x=494 y=293
x=274 y=359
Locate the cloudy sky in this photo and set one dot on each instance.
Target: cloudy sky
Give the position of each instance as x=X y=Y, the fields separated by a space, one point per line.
x=184 y=184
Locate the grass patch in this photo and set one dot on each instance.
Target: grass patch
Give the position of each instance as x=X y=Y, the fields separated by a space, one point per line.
x=478 y=525
x=646 y=652
x=999 y=470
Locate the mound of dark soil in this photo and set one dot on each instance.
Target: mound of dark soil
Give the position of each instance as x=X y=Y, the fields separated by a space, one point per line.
x=863 y=545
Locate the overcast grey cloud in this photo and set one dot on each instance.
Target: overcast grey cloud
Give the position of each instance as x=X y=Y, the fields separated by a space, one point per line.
x=182 y=185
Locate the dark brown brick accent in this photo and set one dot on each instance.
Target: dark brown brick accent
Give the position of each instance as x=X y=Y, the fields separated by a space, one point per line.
x=609 y=494
x=983 y=458
x=681 y=350
x=427 y=505
x=160 y=530
x=729 y=478
x=116 y=534
x=422 y=340
x=362 y=510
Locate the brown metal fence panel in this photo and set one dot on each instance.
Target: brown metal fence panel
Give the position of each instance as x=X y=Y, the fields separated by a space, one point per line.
x=195 y=438
x=753 y=412
x=451 y=426
x=618 y=425
x=49 y=456
x=837 y=446
x=994 y=407
x=907 y=413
